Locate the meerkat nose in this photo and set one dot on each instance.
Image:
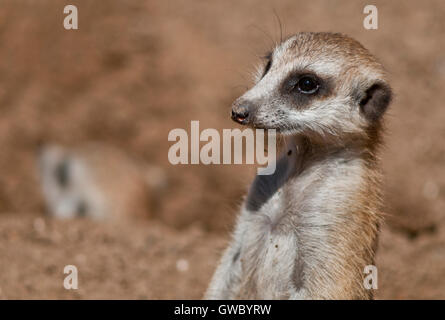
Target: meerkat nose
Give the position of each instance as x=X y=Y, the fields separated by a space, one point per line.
x=240 y=113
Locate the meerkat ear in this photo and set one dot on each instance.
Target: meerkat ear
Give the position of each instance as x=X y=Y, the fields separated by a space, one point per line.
x=376 y=100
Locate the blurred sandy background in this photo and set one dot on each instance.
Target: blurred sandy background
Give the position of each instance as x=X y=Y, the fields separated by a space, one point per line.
x=137 y=69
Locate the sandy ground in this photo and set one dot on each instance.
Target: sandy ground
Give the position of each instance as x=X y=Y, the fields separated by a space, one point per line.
x=137 y=69
x=152 y=261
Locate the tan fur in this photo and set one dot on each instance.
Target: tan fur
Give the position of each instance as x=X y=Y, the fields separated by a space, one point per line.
x=308 y=231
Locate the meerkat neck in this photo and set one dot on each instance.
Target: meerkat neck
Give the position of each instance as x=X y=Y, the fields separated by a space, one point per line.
x=313 y=150
x=350 y=215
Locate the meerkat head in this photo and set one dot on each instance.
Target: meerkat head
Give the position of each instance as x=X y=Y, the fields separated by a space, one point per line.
x=316 y=84
x=67 y=184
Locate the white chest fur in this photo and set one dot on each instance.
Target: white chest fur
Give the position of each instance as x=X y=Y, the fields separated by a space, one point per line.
x=270 y=243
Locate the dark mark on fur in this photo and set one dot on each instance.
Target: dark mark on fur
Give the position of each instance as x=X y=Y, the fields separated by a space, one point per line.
x=265 y=186
x=236 y=256
x=61 y=173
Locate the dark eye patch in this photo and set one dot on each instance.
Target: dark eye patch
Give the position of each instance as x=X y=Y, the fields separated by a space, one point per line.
x=61 y=173
x=291 y=88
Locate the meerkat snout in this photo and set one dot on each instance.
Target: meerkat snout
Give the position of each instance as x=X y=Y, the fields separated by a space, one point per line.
x=242 y=111
x=316 y=84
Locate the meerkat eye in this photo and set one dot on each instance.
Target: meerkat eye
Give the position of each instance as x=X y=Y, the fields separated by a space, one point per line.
x=307 y=85
x=61 y=173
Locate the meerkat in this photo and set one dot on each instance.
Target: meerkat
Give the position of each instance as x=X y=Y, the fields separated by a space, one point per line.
x=97 y=181
x=308 y=230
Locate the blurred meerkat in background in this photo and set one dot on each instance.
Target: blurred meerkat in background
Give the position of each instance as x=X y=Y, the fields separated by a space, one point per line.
x=98 y=182
x=309 y=230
